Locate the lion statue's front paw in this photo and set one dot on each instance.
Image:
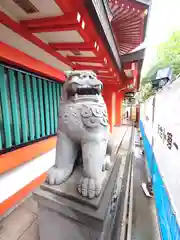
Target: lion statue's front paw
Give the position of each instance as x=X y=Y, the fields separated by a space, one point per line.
x=89 y=187
x=108 y=164
x=56 y=176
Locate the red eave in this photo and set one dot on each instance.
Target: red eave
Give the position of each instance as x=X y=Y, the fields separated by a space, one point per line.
x=128 y=23
x=16 y=57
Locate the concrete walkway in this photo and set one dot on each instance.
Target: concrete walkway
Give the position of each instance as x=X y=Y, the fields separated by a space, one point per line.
x=145 y=226
x=21 y=224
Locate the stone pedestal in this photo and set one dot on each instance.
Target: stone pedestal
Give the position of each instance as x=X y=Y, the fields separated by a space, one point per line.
x=65 y=215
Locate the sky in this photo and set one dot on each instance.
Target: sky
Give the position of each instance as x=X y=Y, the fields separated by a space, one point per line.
x=163 y=21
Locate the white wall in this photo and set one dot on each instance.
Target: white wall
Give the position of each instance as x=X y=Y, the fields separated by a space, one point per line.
x=14 y=180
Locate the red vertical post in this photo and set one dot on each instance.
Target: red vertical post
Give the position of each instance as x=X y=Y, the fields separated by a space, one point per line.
x=119 y=99
x=113 y=109
x=108 y=98
x=137 y=114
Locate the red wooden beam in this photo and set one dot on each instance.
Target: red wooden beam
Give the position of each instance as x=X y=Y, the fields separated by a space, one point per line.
x=110 y=75
x=83 y=32
x=129 y=45
x=65 y=5
x=85 y=59
x=125 y=49
x=119 y=15
x=133 y=18
x=132 y=4
x=126 y=15
x=16 y=27
x=115 y=9
x=53 y=24
x=18 y=58
x=118 y=12
x=110 y=84
x=128 y=25
x=134 y=26
x=128 y=40
x=52 y=28
x=107 y=81
x=79 y=6
x=66 y=19
x=73 y=46
x=106 y=75
x=142 y=31
x=122 y=52
x=93 y=68
x=125 y=46
x=107 y=78
x=130 y=33
x=128 y=37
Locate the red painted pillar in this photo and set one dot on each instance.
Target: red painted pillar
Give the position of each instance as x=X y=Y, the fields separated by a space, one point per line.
x=113 y=109
x=119 y=99
x=137 y=114
x=108 y=98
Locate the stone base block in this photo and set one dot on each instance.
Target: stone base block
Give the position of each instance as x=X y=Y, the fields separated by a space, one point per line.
x=65 y=215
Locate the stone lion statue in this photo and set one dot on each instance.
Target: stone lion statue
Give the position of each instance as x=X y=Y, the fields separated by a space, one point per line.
x=83 y=124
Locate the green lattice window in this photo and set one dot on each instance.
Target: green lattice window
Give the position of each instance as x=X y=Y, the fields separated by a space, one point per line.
x=28 y=107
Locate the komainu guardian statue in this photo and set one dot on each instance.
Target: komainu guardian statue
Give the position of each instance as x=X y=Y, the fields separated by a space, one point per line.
x=83 y=125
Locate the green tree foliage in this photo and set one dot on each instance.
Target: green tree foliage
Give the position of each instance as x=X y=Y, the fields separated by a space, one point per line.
x=168 y=55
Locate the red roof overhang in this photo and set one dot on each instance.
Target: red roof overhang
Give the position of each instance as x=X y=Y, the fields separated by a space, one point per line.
x=129 y=24
x=129 y=19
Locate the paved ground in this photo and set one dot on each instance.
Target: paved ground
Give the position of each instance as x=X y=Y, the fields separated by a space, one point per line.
x=145 y=225
x=21 y=224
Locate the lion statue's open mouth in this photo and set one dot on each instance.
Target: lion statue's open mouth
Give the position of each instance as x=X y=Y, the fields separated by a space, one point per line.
x=82 y=85
x=83 y=91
